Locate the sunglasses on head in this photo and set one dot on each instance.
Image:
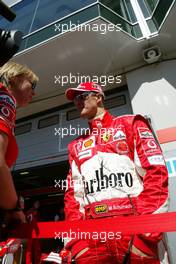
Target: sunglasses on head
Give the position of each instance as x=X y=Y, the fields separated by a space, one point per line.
x=33 y=85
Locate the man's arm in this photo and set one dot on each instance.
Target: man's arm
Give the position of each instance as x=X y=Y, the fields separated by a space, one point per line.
x=74 y=204
x=151 y=168
x=8 y=196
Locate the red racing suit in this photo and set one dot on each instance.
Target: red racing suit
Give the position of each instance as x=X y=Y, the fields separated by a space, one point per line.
x=7 y=123
x=118 y=164
x=33 y=248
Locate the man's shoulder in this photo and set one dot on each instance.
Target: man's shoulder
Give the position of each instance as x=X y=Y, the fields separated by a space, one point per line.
x=128 y=119
x=124 y=118
x=6 y=97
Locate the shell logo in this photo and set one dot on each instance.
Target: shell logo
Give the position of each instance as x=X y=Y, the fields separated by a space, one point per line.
x=88 y=143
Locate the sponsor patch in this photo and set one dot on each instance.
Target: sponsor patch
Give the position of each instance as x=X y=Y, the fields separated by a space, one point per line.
x=145 y=133
x=150 y=147
x=103 y=180
x=99 y=209
x=78 y=147
x=96 y=86
x=106 y=137
x=122 y=147
x=119 y=135
x=119 y=207
x=7 y=109
x=85 y=154
x=8 y=115
x=156 y=160
x=81 y=86
x=88 y=143
x=152 y=144
x=98 y=124
x=6 y=100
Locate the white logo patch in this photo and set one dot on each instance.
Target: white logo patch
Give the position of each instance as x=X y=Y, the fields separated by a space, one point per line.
x=145 y=133
x=151 y=144
x=156 y=160
x=119 y=135
x=85 y=154
x=88 y=143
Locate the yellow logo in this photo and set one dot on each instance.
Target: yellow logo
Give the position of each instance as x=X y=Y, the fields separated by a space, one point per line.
x=106 y=137
x=88 y=143
x=101 y=209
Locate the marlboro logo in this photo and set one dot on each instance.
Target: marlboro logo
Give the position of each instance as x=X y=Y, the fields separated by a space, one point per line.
x=112 y=180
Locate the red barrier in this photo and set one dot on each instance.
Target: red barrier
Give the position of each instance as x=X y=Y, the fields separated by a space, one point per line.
x=164 y=222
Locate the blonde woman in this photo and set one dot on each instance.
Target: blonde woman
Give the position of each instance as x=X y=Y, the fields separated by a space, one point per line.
x=17 y=88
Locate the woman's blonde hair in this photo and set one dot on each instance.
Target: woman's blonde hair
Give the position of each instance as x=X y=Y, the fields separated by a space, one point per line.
x=12 y=69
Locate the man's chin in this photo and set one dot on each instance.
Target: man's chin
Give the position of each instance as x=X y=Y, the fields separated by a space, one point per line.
x=83 y=114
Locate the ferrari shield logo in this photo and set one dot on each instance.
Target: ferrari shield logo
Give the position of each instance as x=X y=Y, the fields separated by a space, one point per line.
x=106 y=137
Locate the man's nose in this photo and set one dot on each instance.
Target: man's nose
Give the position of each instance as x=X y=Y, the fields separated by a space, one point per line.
x=78 y=103
x=33 y=92
x=81 y=103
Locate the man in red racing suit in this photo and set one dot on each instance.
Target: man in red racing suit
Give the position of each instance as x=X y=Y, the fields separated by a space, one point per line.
x=118 y=165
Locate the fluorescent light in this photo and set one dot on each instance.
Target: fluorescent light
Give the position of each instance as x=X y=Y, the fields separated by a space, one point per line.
x=56 y=194
x=24 y=172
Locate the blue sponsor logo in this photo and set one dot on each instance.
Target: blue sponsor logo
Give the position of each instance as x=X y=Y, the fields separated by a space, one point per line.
x=171 y=166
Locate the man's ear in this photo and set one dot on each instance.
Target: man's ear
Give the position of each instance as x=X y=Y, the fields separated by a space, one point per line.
x=99 y=99
x=13 y=81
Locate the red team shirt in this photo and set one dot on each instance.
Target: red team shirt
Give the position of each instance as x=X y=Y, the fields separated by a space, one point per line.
x=7 y=123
